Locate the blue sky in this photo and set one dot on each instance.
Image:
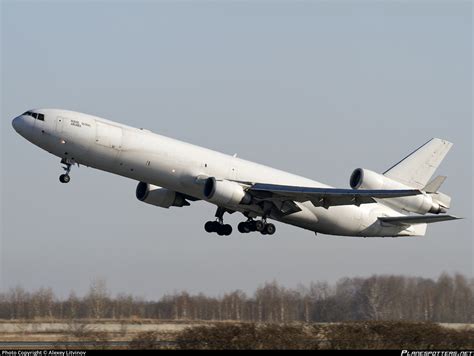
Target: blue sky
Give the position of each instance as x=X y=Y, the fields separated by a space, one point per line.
x=314 y=88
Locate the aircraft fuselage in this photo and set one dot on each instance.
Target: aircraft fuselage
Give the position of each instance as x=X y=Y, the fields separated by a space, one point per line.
x=145 y=156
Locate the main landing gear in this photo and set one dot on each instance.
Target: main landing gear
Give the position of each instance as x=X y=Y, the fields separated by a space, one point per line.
x=218 y=225
x=256 y=225
x=244 y=227
x=65 y=178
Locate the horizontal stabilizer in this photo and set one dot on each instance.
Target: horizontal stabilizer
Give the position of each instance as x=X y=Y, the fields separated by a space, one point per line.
x=435 y=184
x=410 y=220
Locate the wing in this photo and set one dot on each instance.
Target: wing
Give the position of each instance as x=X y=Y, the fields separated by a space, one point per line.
x=324 y=197
x=410 y=220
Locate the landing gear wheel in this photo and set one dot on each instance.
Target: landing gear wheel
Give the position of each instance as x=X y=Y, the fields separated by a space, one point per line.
x=64 y=178
x=209 y=226
x=220 y=229
x=259 y=225
x=246 y=226
x=215 y=226
x=227 y=229
x=270 y=229
x=242 y=227
x=252 y=225
x=224 y=230
x=256 y=225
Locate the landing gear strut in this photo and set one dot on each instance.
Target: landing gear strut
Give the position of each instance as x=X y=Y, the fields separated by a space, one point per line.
x=65 y=178
x=218 y=225
x=256 y=225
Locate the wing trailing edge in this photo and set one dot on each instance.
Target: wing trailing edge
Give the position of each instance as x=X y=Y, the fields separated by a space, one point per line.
x=325 y=197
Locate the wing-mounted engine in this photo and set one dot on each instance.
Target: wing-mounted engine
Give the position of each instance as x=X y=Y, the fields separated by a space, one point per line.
x=428 y=202
x=225 y=192
x=162 y=197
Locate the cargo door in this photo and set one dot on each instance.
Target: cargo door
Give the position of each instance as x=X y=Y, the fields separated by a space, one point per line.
x=108 y=135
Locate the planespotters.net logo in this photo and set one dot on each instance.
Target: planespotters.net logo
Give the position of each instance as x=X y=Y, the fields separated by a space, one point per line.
x=437 y=353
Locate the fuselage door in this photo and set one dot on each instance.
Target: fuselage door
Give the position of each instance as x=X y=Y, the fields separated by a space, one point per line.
x=108 y=135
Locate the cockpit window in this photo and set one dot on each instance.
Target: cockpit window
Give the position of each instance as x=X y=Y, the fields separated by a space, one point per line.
x=34 y=115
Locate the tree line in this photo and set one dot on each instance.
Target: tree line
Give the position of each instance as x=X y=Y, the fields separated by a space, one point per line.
x=449 y=298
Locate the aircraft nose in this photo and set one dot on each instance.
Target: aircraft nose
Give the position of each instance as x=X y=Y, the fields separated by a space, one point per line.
x=16 y=123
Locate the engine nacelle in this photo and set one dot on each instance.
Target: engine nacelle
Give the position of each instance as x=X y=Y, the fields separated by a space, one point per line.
x=162 y=197
x=225 y=192
x=421 y=204
x=366 y=179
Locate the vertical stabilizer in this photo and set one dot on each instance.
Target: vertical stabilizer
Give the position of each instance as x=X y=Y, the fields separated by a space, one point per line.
x=416 y=169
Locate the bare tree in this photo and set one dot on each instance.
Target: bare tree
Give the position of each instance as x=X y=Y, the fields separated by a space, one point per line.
x=97 y=298
x=448 y=299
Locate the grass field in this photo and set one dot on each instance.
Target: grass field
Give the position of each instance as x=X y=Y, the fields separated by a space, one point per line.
x=138 y=333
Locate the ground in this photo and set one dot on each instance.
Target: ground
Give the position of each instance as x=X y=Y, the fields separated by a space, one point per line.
x=140 y=333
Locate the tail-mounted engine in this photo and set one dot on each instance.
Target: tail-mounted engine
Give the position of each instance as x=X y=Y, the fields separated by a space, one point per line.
x=420 y=204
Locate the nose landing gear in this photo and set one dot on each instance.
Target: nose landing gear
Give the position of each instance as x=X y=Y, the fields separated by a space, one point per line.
x=64 y=178
x=67 y=164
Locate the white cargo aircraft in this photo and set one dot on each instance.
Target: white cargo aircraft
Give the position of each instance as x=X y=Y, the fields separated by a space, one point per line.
x=173 y=173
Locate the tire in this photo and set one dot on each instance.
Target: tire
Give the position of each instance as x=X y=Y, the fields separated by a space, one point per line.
x=242 y=228
x=227 y=229
x=259 y=225
x=252 y=225
x=270 y=229
x=220 y=230
x=246 y=227
x=64 y=178
x=209 y=226
x=215 y=226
